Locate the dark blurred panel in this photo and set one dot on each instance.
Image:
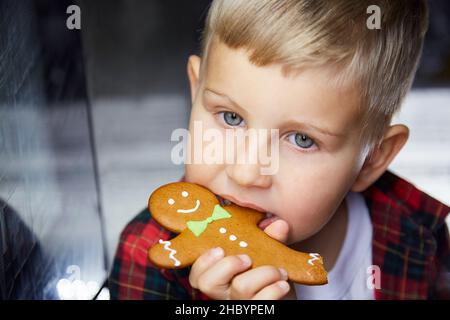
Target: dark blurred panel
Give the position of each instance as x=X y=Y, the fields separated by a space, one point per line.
x=434 y=69
x=140 y=47
x=49 y=214
x=27 y=271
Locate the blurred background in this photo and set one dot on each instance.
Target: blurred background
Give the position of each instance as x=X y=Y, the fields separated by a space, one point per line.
x=85 y=123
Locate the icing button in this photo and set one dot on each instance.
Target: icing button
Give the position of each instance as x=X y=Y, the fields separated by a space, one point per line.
x=233 y=237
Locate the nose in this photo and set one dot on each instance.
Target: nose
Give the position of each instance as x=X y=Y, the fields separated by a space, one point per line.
x=248 y=175
x=247 y=169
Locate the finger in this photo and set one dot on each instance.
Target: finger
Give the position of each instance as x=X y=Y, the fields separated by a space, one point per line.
x=205 y=261
x=247 y=284
x=275 y=291
x=278 y=230
x=216 y=281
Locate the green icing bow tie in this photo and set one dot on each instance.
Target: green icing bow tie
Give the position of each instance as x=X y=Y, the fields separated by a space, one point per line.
x=199 y=226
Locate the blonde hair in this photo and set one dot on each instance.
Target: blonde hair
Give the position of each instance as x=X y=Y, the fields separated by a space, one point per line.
x=381 y=63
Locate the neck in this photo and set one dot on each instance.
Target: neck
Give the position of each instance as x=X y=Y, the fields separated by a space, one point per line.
x=329 y=240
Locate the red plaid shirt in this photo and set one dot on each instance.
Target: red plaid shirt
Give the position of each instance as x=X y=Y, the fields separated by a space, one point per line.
x=410 y=245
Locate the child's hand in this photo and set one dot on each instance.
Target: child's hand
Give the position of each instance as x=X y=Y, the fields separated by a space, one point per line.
x=224 y=278
x=229 y=277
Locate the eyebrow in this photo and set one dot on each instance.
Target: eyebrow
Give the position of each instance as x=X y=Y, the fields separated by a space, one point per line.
x=315 y=128
x=289 y=123
x=234 y=103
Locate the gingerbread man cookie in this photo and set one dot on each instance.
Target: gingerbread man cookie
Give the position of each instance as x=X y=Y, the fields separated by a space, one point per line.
x=195 y=213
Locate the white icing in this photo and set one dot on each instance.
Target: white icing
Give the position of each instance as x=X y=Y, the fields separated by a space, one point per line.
x=171 y=201
x=315 y=256
x=172 y=252
x=197 y=205
x=184 y=193
x=232 y=237
x=243 y=244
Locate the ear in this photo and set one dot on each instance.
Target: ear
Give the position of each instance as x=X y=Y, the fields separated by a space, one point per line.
x=380 y=158
x=193 y=71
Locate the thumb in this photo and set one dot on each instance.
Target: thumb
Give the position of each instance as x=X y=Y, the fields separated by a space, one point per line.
x=279 y=230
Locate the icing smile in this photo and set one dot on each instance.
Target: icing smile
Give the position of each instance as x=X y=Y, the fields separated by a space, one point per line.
x=185 y=194
x=197 y=205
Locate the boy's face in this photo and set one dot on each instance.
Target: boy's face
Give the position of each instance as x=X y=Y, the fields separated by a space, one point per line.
x=319 y=151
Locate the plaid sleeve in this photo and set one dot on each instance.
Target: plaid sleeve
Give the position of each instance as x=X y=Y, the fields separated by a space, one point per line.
x=441 y=286
x=134 y=277
x=410 y=240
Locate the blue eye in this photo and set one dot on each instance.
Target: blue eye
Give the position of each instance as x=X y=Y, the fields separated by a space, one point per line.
x=301 y=140
x=232 y=118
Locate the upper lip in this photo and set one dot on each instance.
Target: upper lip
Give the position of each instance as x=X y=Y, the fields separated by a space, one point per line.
x=242 y=203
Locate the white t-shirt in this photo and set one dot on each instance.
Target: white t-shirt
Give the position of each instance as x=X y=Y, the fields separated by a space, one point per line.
x=348 y=278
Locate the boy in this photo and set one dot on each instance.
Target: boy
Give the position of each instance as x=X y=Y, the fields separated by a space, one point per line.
x=330 y=85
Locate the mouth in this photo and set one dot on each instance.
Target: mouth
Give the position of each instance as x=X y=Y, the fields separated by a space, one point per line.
x=268 y=220
x=264 y=223
x=197 y=205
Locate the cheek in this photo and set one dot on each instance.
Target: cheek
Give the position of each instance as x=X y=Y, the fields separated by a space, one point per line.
x=203 y=174
x=308 y=212
x=312 y=192
x=205 y=161
x=200 y=113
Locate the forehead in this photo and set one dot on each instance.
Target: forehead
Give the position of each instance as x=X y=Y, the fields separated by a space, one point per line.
x=312 y=94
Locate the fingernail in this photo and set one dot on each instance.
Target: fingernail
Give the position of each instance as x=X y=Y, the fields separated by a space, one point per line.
x=283 y=285
x=284 y=273
x=245 y=259
x=216 y=252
